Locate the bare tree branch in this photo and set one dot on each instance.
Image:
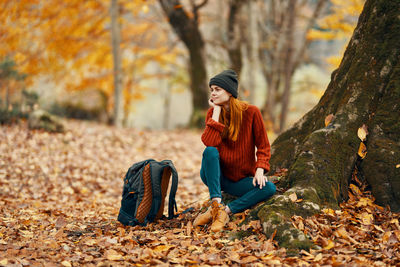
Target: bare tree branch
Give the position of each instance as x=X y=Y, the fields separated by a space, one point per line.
x=306 y=42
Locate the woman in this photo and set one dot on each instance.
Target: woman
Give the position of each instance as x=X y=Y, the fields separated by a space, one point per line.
x=234 y=129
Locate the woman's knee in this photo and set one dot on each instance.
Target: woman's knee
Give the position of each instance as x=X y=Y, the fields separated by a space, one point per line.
x=210 y=152
x=269 y=189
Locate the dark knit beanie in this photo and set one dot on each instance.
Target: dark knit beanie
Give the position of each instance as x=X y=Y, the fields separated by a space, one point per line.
x=227 y=80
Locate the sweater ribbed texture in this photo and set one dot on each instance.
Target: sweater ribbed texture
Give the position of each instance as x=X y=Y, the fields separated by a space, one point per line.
x=239 y=159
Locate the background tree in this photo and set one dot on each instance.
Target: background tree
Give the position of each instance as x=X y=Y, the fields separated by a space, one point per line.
x=70 y=44
x=186 y=26
x=7 y=74
x=235 y=39
x=117 y=64
x=283 y=44
x=321 y=151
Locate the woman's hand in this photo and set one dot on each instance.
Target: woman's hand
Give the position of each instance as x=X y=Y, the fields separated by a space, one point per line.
x=211 y=103
x=216 y=111
x=259 y=178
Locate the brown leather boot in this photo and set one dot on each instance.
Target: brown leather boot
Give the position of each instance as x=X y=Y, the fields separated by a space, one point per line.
x=219 y=216
x=203 y=218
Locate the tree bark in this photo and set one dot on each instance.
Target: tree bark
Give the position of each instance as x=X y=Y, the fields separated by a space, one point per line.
x=288 y=63
x=187 y=29
x=116 y=50
x=234 y=49
x=365 y=89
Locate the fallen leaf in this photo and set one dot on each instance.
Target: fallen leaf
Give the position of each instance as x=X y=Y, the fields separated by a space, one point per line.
x=386 y=236
x=293 y=197
x=397 y=234
x=362 y=132
x=318 y=257
x=355 y=189
x=60 y=222
x=328 y=211
x=189 y=228
x=363 y=202
x=248 y=259
x=112 y=255
x=66 y=264
x=328 y=119
x=330 y=245
x=378 y=228
x=367 y=218
x=3 y=262
x=162 y=248
x=362 y=150
x=397 y=166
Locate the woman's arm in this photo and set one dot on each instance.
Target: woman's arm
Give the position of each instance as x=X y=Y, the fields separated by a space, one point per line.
x=212 y=133
x=261 y=141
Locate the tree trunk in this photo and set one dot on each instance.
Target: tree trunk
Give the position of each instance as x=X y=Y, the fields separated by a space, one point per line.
x=281 y=54
x=116 y=50
x=288 y=64
x=365 y=89
x=188 y=31
x=252 y=45
x=234 y=49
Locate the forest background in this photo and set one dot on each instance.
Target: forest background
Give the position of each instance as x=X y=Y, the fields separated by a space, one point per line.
x=130 y=68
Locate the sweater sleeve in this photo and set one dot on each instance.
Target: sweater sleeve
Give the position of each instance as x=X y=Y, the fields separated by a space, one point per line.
x=212 y=133
x=261 y=141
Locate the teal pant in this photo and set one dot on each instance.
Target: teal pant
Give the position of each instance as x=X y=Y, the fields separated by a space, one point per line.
x=248 y=194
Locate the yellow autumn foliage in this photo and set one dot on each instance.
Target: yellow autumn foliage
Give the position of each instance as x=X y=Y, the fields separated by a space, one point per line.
x=70 y=41
x=339 y=24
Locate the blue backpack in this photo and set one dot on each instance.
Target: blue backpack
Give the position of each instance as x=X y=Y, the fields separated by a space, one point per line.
x=144 y=191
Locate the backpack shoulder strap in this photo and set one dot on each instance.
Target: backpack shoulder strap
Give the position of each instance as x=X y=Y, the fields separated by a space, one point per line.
x=134 y=168
x=174 y=188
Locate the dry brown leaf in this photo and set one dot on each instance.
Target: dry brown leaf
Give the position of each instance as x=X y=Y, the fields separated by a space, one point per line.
x=397 y=234
x=355 y=189
x=330 y=245
x=293 y=197
x=318 y=257
x=364 y=201
x=328 y=119
x=113 y=255
x=189 y=228
x=362 y=150
x=362 y=132
x=367 y=218
x=248 y=259
x=162 y=248
x=66 y=264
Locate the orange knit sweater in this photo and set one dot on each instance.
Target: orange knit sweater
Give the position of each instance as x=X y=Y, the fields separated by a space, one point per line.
x=239 y=159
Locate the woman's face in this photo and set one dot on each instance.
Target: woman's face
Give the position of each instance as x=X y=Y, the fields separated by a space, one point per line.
x=218 y=95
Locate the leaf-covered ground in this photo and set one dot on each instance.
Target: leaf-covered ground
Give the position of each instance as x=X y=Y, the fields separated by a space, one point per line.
x=60 y=196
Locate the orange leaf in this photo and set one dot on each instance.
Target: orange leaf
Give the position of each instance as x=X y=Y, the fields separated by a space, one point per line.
x=328 y=119
x=330 y=245
x=362 y=150
x=355 y=189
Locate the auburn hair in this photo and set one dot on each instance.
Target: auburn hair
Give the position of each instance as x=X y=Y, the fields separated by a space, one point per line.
x=232 y=118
